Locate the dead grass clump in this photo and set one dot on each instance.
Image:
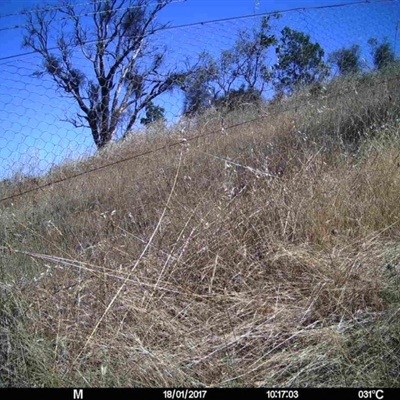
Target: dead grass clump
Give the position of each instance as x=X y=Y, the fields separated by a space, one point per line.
x=253 y=257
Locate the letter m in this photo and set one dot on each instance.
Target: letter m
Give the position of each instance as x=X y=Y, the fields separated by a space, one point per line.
x=78 y=394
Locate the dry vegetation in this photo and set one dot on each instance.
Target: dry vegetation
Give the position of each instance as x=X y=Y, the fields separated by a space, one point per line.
x=264 y=255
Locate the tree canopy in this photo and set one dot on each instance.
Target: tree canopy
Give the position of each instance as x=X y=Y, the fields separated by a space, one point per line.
x=199 y=92
x=239 y=74
x=154 y=113
x=347 y=59
x=300 y=61
x=382 y=53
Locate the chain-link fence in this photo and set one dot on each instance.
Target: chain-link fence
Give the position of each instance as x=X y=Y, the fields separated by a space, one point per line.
x=36 y=112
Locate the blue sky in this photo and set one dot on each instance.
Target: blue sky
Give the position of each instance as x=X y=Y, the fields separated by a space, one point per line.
x=32 y=137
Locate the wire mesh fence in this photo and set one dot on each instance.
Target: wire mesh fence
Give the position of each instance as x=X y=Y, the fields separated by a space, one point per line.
x=235 y=225
x=36 y=112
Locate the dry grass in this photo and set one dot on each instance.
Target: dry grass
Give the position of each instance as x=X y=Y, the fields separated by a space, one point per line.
x=257 y=256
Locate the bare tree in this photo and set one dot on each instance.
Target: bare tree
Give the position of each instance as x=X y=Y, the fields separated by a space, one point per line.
x=122 y=71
